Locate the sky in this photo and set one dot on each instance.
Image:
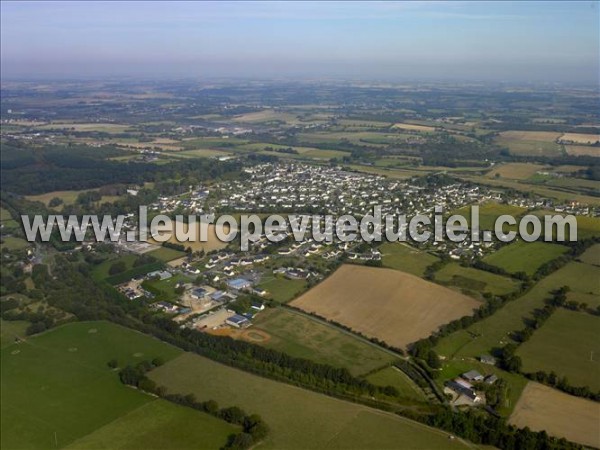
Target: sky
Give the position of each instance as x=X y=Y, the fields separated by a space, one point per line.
x=490 y=41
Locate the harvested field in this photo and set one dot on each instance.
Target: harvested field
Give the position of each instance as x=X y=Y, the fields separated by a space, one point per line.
x=411 y=127
x=390 y=305
x=561 y=415
x=582 y=150
x=580 y=138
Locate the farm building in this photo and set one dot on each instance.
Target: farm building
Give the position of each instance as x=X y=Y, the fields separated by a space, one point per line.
x=238 y=321
x=239 y=283
x=161 y=274
x=487 y=359
x=460 y=389
x=472 y=375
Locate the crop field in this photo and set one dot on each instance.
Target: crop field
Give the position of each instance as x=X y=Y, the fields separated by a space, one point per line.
x=582 y=150
x=515 y=171
x=396 y=307
x=542 y=136
x=472 y=280
x=525 y=257
x=166 y=254
x=159 y=424
x=531 y=142
x=111 y=128
x=492 y=332
x=303 y=337
x=561 y=415
x=318 y=421
x=569 y=344
x=281 y=289
x=580 y=138
x=591 y=255
x=412 y=127
x=392 y=376
x=400 y=256
x=212 y=242
x=489 y=213
x=57 y=388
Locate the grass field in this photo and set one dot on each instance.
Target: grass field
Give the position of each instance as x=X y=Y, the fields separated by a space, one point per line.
x=298 y=419
x=396 y=307
x=489 y=212
x=591 y=255
x=159 y=425
x=68 y=197
x=302 y=337
x=9 y=330
x=111 y=128
x=492 y=332
x=281 y=289
x=569 y=344
x=4 y=215
x=515 y=171
x=525 y=257
x=400 y=256
x=57 y=388
x=392 y=376
x=412 y=127
x=166 y=254
x=541 y=143
x=561 y=415
x=100 y=272
x=475 y=280
x=14 y=243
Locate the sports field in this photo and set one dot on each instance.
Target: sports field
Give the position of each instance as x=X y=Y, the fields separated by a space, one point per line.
x=568 y=343
x=396 y=307
x=400 y=256
x=493 y=332
x=57 y=388
x=559 y=414
x=303 y=337
x=474 y=281
x=318 y=421
x=525 y=257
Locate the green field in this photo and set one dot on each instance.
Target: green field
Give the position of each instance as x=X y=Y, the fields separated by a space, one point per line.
x=591 y=255
x=281 y=289
x=4 y=215
x=157 y=425
x=475 y=280
x=303 y=337
x=569 y=344
x=392 y=376
x=489 y=212
x=100 y=272
x=525 y=257
x=57 y=388
x=399 y=256
x=530 y=147
x=14 y=243
x=297 y=418
x=9 y=330
x=492 y=332
x=166 y=254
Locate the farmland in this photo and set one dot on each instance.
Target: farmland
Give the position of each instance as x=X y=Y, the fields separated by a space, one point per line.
x=474 y=281
x=281 y=289
x=166 y=254
x=318 y=421
x=489 y=212
x=532 y=143
x=580 y=138
x=492 y=332
x=304 y=337
x=390 y=305
x=568 y=345
x=525 y=257
x=212 y=241
x=515 y=171
x=396 y=255
x=57 y=388
x=591 y=255
x=392 y=376
x=561 y=415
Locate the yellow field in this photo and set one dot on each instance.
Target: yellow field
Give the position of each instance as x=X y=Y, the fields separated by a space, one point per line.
x=515 y=171
x=411 y=127
x=544 y=136
x=561 y=415
x=580 y=138
x=582 y=150
x=390 y=305
x=213 y=242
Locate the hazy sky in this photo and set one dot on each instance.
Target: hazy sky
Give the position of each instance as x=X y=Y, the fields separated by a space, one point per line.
x=520 y=41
